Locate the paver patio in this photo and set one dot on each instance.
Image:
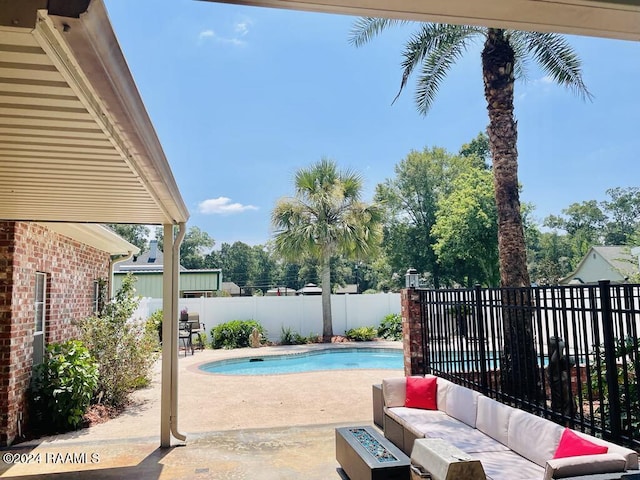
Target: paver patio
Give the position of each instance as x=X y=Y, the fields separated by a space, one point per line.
x=276 y=427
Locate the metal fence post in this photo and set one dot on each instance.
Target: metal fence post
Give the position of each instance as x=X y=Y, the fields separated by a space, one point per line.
x=484 y=384
x=615 y=420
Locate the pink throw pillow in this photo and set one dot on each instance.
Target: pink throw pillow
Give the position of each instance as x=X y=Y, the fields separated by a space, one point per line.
x=421 y=393
x=573 y=445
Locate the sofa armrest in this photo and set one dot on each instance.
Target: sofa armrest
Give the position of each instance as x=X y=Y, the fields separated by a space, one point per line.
x=584 y=465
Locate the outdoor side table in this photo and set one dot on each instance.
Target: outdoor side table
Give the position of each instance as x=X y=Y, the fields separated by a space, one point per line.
x=378 y=405
x=364 y=454
x=444 y=461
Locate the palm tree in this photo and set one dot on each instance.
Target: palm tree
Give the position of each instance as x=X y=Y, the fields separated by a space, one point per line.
x=326 y=218
x=436 y=47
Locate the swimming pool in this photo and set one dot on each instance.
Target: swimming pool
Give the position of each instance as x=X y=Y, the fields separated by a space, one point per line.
x=327 y=359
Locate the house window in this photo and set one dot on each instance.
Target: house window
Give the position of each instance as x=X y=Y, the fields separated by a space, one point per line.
x=40 y=309
x=99 y=295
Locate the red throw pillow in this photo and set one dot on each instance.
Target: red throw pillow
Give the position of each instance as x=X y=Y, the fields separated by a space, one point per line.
x=421 y=393
x=573 y=445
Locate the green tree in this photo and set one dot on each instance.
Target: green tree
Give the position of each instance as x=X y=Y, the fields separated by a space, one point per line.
x=237 y=261
x=138 y=235
x=623 y=211
x=411 y=201
x=584 y=223
x=466 y=229
x=551 y=258
x=194 y=248
x=478 y=147
x=326 y=218
x=435 y=48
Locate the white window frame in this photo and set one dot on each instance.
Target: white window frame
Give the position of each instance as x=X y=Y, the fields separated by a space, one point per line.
x=40 y=317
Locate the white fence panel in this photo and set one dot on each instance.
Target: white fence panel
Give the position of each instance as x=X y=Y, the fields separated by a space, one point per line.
x=302 y=314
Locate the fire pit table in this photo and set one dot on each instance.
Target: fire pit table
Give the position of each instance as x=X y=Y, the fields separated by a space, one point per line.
x=364 y=454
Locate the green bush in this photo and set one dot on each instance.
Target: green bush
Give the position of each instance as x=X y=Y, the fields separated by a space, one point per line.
x=63 y=385
x=362 y=334
x=125 y=348
x=290 y=337
x=391 y=327
x=153 y=324
x=235 y=334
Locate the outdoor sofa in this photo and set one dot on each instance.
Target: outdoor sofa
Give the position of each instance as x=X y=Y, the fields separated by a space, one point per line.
x=510 y=443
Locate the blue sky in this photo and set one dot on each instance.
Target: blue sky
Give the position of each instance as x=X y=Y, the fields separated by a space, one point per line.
x=242 y=97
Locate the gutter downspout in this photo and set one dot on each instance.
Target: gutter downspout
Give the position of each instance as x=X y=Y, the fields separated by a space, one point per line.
x=113 y=259
x=169 y=398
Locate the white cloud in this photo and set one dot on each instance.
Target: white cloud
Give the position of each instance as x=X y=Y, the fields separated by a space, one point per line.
x=223 y=206
x=206 y=34
x=240 y=29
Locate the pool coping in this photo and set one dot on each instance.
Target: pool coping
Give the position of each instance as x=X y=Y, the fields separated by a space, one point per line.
x=275 y=350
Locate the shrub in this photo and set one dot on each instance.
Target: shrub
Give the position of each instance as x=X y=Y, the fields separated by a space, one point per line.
x=63 y=385
x=125 y=348
x=290 y=337
x=626 y=375
x=362 y=334
x=235 y=334
x=153 y=324
x=391 y=327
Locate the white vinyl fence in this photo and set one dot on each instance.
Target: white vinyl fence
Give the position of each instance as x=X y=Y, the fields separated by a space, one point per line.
x=302 y=314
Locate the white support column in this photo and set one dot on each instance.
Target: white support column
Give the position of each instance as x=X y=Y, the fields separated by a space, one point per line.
x=170 y=291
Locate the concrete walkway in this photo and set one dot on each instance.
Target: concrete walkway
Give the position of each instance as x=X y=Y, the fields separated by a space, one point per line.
x=272 y=427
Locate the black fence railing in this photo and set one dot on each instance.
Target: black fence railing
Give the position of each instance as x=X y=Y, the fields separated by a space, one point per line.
x=568 y=353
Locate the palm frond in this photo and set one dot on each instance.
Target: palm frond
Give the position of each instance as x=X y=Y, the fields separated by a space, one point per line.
x=431 y=38
x=449 y=46
x=558 y=59
x=521 y=55
x=365 y=28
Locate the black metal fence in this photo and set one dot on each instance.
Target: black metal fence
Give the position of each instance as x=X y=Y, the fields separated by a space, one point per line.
x=580 y=352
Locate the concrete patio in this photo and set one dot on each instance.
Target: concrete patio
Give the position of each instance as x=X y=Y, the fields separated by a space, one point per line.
x=273 y=427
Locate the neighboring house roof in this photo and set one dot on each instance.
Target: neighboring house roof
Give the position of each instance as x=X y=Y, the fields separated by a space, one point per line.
x=349 y=288
x=151 y=259
x=231 y=287
x=94 y=235
x=614 y=262
x=310 y=289
x=280 y=291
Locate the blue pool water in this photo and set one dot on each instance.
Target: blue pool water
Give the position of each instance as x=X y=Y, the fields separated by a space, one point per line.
x=330 y=359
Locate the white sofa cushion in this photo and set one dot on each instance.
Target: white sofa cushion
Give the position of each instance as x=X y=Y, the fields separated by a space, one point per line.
x=493 y=418
x=584 y=465
x=533 y=437
x=394 y=391
x=631 y=456
x=508 y=466
x=408 y=417
x=443 y=390
x=462 y=403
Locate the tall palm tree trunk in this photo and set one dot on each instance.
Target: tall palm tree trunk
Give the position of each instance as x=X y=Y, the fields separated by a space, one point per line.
x=519 y=370
x=327 y=323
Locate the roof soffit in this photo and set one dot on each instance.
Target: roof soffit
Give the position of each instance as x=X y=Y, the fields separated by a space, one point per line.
x=76 y=144
x=600 y=18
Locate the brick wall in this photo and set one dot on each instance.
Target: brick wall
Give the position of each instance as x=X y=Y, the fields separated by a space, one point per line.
x=71 y=268
x=412 y=333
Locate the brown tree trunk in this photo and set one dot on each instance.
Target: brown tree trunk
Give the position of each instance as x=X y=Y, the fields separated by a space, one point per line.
x=519 y=370
x=497 y=67
x=327 y=323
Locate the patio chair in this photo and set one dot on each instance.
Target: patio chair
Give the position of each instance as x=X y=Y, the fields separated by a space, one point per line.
x=184 y=336
x=197 y=328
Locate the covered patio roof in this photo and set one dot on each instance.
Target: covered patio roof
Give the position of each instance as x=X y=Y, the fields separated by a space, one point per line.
x=600 y=18
x=76 y=143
